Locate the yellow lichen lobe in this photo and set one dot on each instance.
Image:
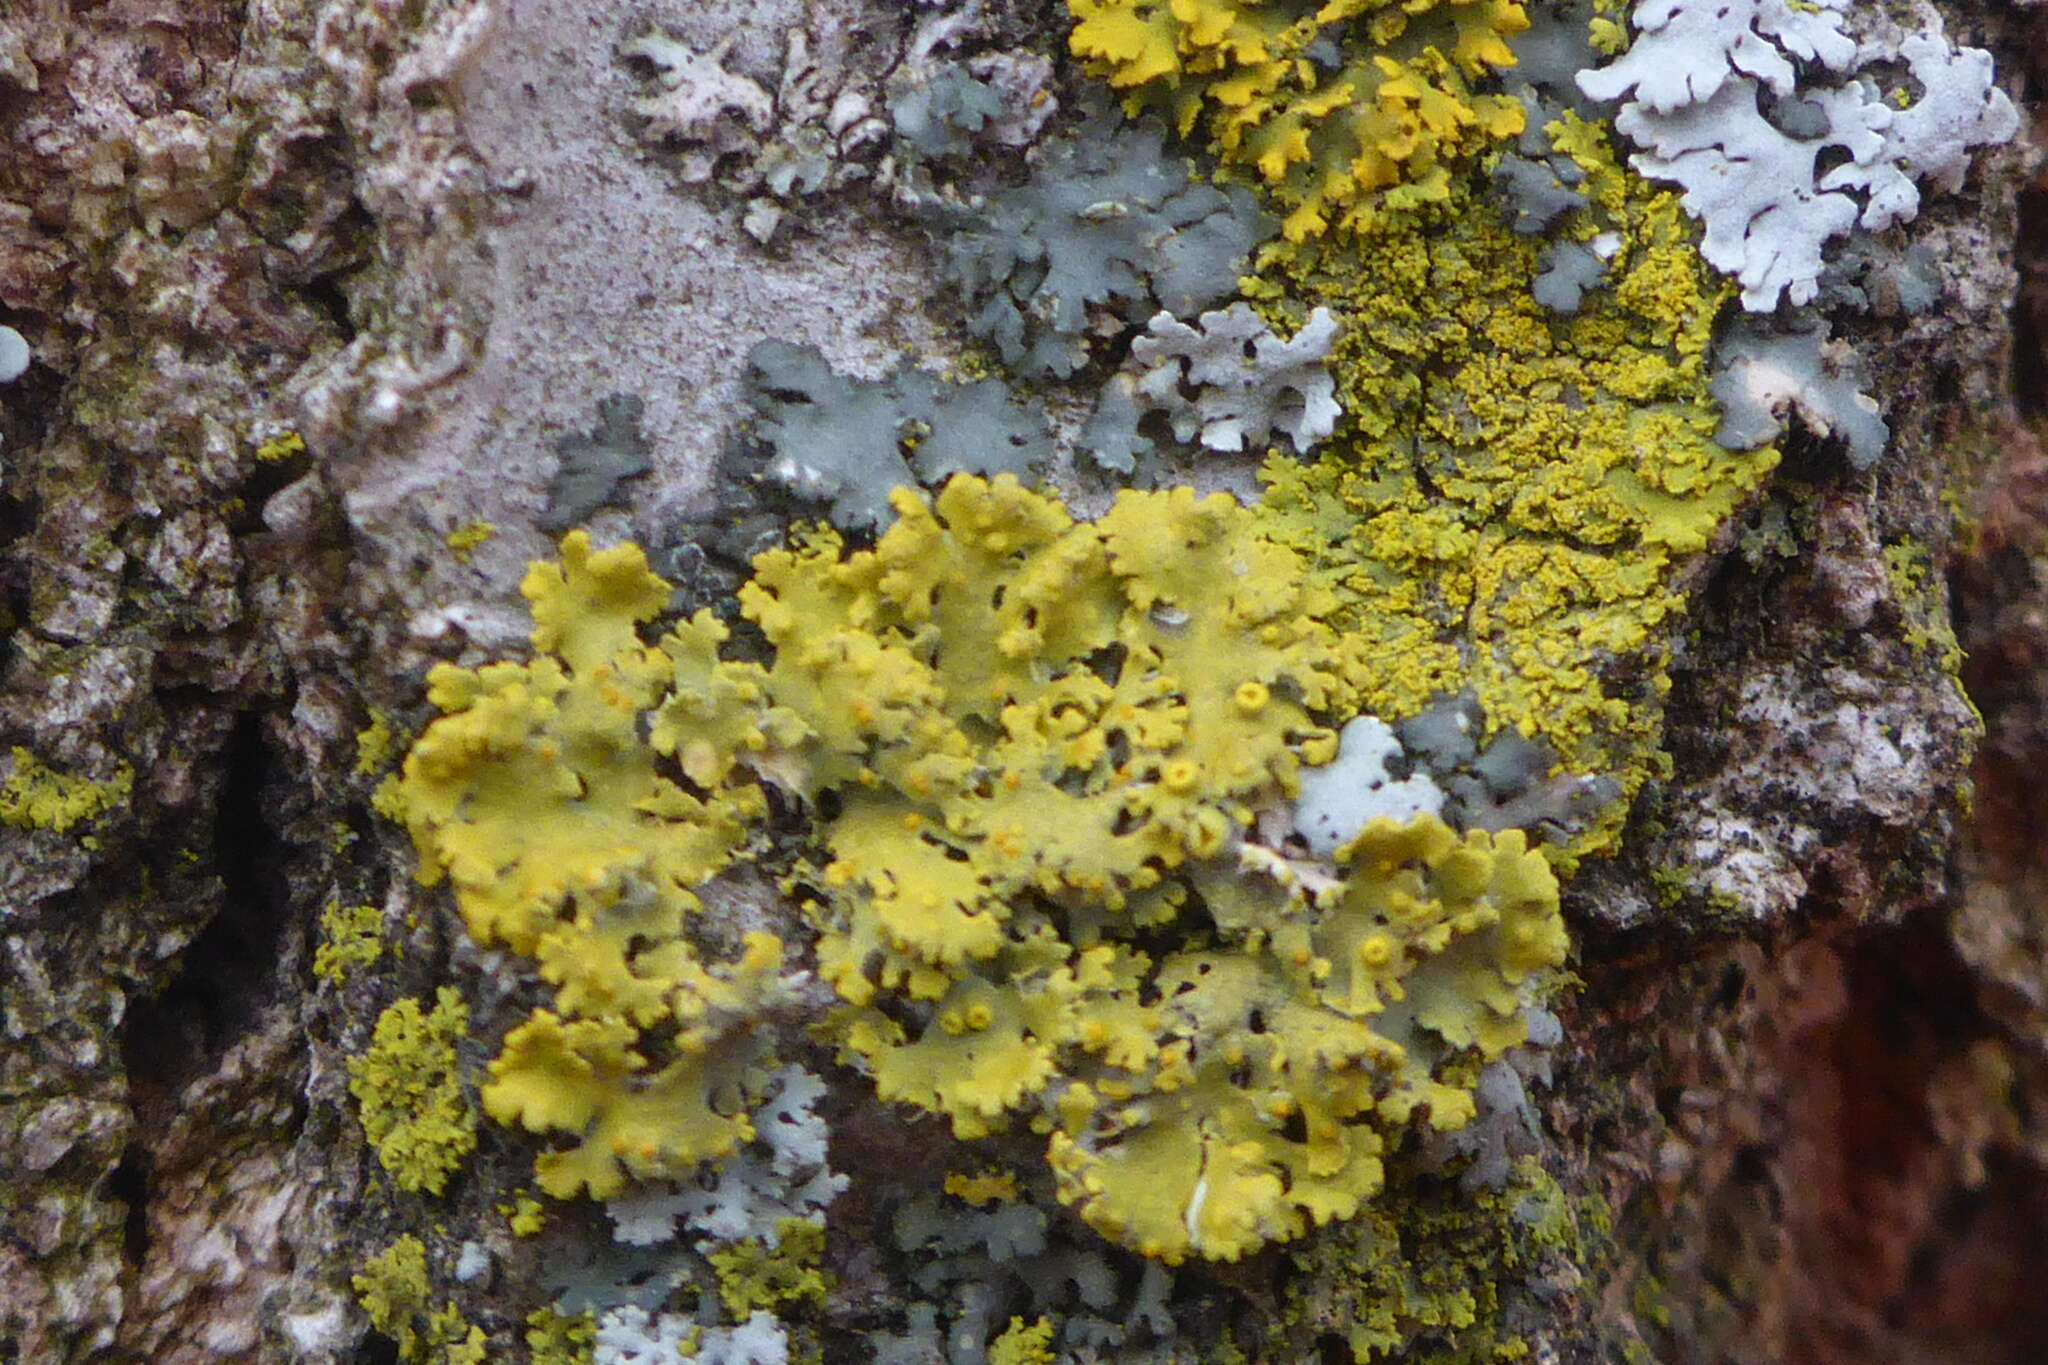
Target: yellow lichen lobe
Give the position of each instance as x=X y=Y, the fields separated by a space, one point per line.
x=575 y=841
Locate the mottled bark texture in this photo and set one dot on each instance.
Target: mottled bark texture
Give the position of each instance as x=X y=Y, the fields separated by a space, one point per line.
x=1806 y=1072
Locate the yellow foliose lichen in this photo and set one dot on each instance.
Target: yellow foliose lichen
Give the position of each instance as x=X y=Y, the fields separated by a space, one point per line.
x=1340 y=107
x=569 y=838
x=596 y=1080
x=1295 y=1044
x=1040 y=752
x=1058 y=737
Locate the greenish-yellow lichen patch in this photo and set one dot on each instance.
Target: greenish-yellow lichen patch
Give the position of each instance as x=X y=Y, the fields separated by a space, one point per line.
x=754 y=1277
x=351 y=936
x=1024 y=1343
x=281 y=447
x=1519 y=490
x=1431 y=1274
x=525 y=1215
x=394 y=1290
x=375 y=744
x=983 y=1187
x=1922 y=600
x=409 y=1094
x=463 y=541
x=554 y=1338
x=37 y=796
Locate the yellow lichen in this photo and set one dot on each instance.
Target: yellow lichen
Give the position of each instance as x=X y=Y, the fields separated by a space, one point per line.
x=1518 y=492
x=555 y=1338
x=464 y=540
x=983 y=1187
x=525 y=1215
x=375 y=744
x=1023 y=1343
x=591 y=1078
x=409 y=1095
x=1340 y=107
x=567 y=840
x=351 y=936
x=754 y=1277
x=394 y=1290
x=1284 y=1058
x=1045 y=744
x=1919 y=596
x=282 y=446
x=36 y=796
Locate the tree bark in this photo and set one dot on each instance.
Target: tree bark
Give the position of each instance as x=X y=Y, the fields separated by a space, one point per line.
x=315 y=287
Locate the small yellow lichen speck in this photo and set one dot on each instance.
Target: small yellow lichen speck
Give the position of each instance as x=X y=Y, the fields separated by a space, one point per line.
x=282 y=446
x=464 y=540
x=351 y=936
x=525 y=1215
x=375 y=744
x=983 y=1188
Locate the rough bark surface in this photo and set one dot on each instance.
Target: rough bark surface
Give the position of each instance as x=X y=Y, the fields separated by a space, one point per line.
x=1803 y=1083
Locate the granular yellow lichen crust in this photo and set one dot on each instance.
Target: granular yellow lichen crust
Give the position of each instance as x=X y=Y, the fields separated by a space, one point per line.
x=409 y=1096
x=37 y=796
x=1517 y=491
x=394 y=1289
